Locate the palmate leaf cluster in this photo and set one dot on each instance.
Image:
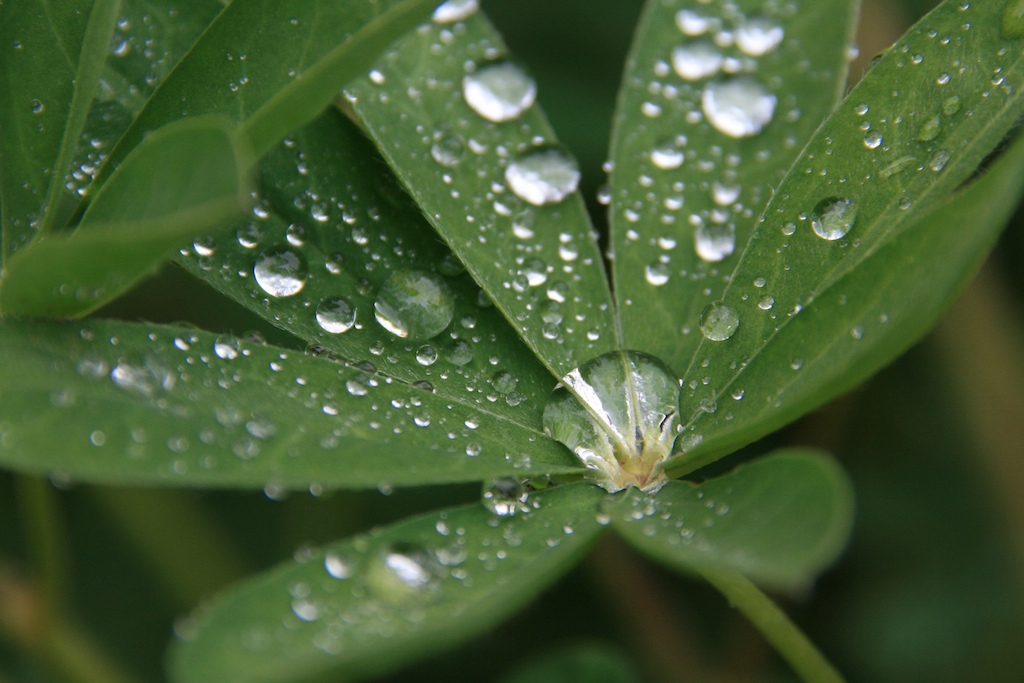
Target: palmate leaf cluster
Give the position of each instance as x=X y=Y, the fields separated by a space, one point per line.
x=774 y=240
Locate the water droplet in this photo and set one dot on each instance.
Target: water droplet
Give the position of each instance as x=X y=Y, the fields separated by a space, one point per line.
x=758 y=36
x=426 y=355
x=939 y=160
x=448 y=149
x=951 y=105
x=455 y=10
x=499 y=91
x=833 y=217
x=280 y=272
x=338 y=566
x=335 y=314
x=666 y=155
x=618 y=413
x=505 y=496
x=522 y=225
x=403 y=572
x=1012 y=26
x=872 y=139
x=696 y=60
x=738 y=107
x=714 y=242
x=38 y=107
x=691 y=23
x=657 y=274
x=718 y=321
x=724 y=194
x=296 y=235
x=546 y=175
x=414 y=304
x=930 y=130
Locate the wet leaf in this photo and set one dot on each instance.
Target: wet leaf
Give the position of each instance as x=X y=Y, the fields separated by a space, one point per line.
x=834 y=283
x=120 y=403
x=180 y=181
x=50 y=60
x=779 y=520
x=456 y=119
x=329 y=201
x=717 y=102
x=373 y=603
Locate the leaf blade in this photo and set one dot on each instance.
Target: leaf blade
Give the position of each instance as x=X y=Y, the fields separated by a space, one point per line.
x=344 y=636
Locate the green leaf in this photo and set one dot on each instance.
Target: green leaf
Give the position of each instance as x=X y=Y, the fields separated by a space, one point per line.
x=842 y=308
x=779 y=520
x=689 y=176
x=181 y=181
x=539 y=263
x=51 y=57
x=122 y=403
x=374 y=603
x=327 y=198
x=271 y=67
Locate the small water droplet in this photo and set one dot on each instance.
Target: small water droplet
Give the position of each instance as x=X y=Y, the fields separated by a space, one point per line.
x=939 y=160
x=403 y=572
x=414 y=304
x=666 y=155
x=280 y=272
x=505 y=497
x=758 y=36
x=499 y=91
x=546 y=175
x=522 y=225
x=872 y=139
x=738 y=107
x=690 y=23
x=38 y=107
x=714 y=242
x=930 y=130
x=951 y=105
x=296 y=235
x=724 y=194
x=833 y=217
x=338 y=566
x=448 y=149
x=455 y=10
x=426 y=355
x=657 y=274
x=335 y=314
x=718 y=321
x=696 y=60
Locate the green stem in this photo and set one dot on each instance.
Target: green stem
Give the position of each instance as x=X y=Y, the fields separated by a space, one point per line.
x=788 y=640
x=44 y=536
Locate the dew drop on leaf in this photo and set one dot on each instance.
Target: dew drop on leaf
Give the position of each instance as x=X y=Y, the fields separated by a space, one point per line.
x=714 y=242
x=666 y=155
x=402 y=572
x=697 y=60
x=280 y=272
x=739 y=107
x=617 y=413
x=505 y=496
x=455 y=10
x=499 y=91
x=656 y=274
x=718 y=321
x=833 y=217
x=758 y=36
x=448 y=149
x=546 y=175
x=414 y=304
x=691 y=23
x=335 y=314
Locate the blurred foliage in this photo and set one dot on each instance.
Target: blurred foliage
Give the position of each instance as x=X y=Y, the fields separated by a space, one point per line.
x=931 y=590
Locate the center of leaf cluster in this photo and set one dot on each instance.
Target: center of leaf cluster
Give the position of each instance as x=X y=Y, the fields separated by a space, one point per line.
x=618 y=413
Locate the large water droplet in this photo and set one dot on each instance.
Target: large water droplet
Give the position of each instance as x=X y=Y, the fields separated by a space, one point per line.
x=738 y=107
x=714 y=242
x=618 y=413
x=718 y=321
x=505 y=496
x=281 y=272
x=758 y=36
x=696 y=60
x=414 y=304
x=403 y=572
x=455 y=10
x=335 y=314
x=499 y=91
x=544 y=176
x=833 y=217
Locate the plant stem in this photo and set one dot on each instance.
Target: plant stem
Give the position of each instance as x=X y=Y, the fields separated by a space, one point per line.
x=788 y=640
x=44 y=536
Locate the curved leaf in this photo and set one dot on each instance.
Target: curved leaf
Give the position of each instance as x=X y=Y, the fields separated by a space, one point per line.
x=181 y=181
x=120 y=403
x=816 y=314
x=371 y=604
x=690 y=178
x=779 y=520
x=539 y=263
x=329 y=200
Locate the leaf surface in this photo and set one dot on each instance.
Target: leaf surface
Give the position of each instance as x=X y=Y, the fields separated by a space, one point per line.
x=122 y=403
x=531 y=249
x=717 y=101
x=180 y=181
x=859 y=253
x=373 y=603
x=779 y=520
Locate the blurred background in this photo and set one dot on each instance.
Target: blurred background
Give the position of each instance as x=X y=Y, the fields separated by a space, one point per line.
x=930 y=590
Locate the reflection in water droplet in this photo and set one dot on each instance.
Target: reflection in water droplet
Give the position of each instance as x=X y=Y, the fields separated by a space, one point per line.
x=403 y=572
x=280 y=272
x=335 y=314
x=656 y=274
x=666 y=155
x=499 y=91
x=738 y=107
x=455 y=10
x=505 y=496
x=714 y=242
x=414 y=304
x=758 y=36
x=696 y=60
x=833 y=217
x=426 y=355
x=872 y=139
x=718 y=321
x=544 y=176
x=618 y=413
